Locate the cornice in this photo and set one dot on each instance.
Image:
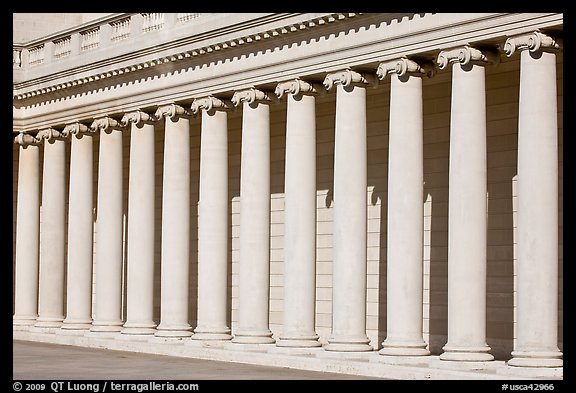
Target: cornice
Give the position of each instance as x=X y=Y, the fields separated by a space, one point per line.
x=242 y=40
x=361 y=44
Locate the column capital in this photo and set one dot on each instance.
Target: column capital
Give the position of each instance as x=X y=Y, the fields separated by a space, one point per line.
x=467 y=55
x=24 y=139
x=49 y=135
x=296 y=87
x=171 y=111
x=137 y=117
x=76 y=128
x=105 y=123
x=209 y=103
x=250 y=96
x=534 y=42
x=404 y=66
x=347 y=77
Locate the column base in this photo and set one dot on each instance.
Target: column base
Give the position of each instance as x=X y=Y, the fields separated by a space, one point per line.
x=49 y=322
x=255 y=337
x=467 y=354
x=345 y=344
x=536 y=359
x=24 y=320
x=404 y=348
x=212 y=334
x=174 y=331
x=144 y=328
x=106 y=326
x=76 y=324
x=298 y=341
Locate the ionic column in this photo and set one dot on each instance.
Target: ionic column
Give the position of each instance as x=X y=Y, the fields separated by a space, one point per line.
x=254 y=277
x=27 y=231
x=405 y=209
x=467 y=214
x=52 y=230
x=109 y=228
x=537 y=226
x=175 y=224
x=300 y=216
x=213 y=221
x=141 y=224
x=80 y=229
x=350 y=221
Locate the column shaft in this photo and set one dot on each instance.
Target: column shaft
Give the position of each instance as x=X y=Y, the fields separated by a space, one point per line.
x=52 y=230
x=405 y=219
x=175 y=230
x=300 y=224
x=141 y=226
x=80 y=235
x=27 y=235
x=537 y=231
x=109 y=231
x=350 y=222
x=254 y=277
x=213 y=228
x=467 y=216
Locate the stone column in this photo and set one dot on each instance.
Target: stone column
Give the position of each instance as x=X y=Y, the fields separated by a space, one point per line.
x=405 y=209
x=350 y=220
x=52 y=230
x=141 y=225
x=175 y=224
x=537 y=229
x=80 y=229
x=254 y=277
x=300 y=216
x=467 y=213
x=213 y=221
x=27 y=232
x=109 y=228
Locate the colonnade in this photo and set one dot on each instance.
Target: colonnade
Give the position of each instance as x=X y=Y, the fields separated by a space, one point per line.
x=39 y=281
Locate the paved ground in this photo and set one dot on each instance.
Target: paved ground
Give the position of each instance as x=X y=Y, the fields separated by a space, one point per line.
x=42 y=361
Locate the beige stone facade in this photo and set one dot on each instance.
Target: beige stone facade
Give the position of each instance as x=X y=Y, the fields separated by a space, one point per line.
x=342 y=183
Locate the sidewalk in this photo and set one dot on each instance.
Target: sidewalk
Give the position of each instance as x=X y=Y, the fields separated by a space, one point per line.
x=63 y=362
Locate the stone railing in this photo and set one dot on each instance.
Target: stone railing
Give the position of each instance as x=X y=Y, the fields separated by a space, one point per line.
x=98 y=35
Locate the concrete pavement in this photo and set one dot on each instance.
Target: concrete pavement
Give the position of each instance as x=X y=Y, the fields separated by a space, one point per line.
x=44 y=361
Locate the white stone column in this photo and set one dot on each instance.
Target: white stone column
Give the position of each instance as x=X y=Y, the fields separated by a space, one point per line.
x=300 y=216
x=213 y=221
x=52 y=231
x=80 y=229
x=27 y=232
x=467 y=214
x=141 y=225
x=350 y=213
x=175 y=224
x=109 y=228
x=404 y=276
x=254 y=277
x=537 y=226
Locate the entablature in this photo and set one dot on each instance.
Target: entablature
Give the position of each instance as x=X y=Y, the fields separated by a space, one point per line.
x=258 y=51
